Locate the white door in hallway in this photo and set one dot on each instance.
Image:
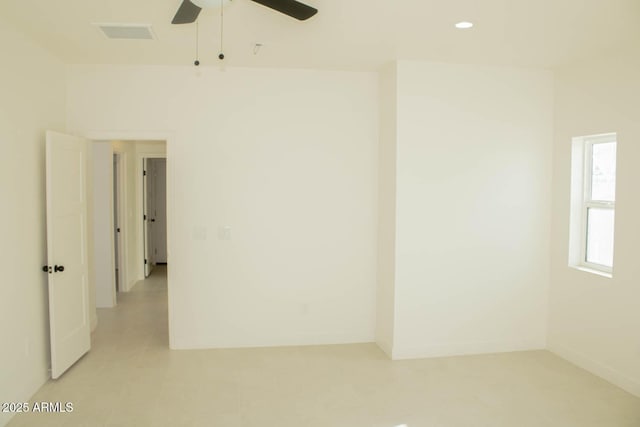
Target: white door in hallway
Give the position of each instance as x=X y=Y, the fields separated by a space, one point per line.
x=67 y=256
x=158 y=175
x=148 y=201
x=154 y=189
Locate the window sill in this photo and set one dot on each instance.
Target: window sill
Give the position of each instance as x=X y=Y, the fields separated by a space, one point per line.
x=606 y=274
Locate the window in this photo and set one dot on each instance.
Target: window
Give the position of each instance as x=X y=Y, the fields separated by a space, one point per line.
x=593 y=196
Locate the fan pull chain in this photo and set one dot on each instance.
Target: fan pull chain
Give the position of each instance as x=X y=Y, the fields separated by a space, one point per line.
x=197 y=61
x=221 y=55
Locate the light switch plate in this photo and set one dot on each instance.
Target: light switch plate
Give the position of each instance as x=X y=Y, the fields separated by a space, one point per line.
x=224 y=232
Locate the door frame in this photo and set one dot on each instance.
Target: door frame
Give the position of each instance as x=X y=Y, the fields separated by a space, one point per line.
x=132 y=136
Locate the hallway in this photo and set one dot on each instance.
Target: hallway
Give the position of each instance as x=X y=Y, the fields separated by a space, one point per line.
x=131 y=378
x=111 y=383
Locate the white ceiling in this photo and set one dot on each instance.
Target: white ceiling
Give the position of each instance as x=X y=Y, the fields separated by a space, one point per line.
x=345 y=34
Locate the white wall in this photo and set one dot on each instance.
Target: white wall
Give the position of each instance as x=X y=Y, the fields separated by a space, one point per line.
x=387 y=147
x=595 y=321
x=33 y=100
x=473 y=209
x=287 y=159
x=103 y=238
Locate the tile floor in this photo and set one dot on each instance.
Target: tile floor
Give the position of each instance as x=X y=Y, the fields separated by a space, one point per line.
x=131 y=378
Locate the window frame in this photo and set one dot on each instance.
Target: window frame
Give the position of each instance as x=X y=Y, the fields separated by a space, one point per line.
x=581 y=201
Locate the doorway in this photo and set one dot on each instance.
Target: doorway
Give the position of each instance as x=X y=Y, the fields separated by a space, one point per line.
x=120 y=258
x=118 y=214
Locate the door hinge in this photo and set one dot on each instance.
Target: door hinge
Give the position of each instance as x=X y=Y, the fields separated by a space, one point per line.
x=144 y=173
x=145 y=262
x=144 y=217
x=118 y=229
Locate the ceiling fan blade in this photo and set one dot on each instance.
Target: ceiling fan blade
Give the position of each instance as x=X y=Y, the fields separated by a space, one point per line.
x=187 y=13
x=292 y=8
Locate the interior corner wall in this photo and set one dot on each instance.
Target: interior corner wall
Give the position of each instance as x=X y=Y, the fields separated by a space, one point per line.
x=32 y=101
x=288 y=160
x=387 y=147
x=594 y=320
x=473 y=209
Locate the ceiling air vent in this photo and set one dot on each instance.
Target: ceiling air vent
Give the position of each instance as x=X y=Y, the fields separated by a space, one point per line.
x=127 y=31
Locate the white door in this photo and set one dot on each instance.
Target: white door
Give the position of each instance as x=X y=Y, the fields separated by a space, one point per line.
x=159 y=211
x=67 y=250
x=118 y=223
x=148 y=221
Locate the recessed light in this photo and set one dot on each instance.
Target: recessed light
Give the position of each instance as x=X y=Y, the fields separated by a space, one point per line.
x=463 y=25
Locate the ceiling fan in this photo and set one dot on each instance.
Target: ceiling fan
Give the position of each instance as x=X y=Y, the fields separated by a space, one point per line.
x=189 y=10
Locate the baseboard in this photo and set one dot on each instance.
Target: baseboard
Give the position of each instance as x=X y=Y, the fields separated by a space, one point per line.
x=293 y=342
x=25 y=393
x=128 y=286
x=465 y=349
x=608 y=373
x=385 y=347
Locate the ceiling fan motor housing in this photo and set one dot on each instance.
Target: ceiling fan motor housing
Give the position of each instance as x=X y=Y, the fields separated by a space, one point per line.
x=190 y=9
x=210 y=3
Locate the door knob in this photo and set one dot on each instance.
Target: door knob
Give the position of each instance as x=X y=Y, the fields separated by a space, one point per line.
x=57 y=268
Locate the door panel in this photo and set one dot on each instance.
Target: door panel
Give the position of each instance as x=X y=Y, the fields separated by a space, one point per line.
x=160 y=211
x=148 y=203
x=119 y=215
x=67 y=247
